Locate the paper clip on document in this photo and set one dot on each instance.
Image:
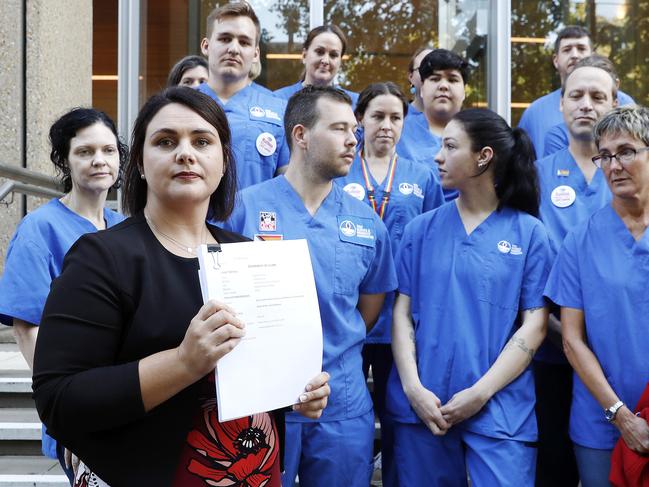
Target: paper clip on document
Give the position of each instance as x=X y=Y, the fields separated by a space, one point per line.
x=214 y=250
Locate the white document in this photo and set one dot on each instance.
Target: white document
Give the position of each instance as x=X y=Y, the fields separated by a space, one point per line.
x=271 y=287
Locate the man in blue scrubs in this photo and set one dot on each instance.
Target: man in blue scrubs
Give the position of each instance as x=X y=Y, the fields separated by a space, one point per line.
x=572 y=44
x=444 y=75
x=255 y=117
x=557 y=137
x=572 y=189
x=353 y=268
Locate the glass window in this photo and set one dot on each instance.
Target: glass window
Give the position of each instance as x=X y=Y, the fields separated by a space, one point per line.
x=104 y=56
x=384 y=35
x=615 y=30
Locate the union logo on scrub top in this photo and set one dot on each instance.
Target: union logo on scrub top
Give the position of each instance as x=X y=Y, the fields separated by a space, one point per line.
x=347 y=228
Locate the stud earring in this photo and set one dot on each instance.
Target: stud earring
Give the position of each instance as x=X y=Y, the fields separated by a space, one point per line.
x=142 y=176
x=412 y=90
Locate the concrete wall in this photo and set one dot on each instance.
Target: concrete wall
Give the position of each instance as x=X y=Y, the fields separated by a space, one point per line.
x=11 y=109
x=58 y=43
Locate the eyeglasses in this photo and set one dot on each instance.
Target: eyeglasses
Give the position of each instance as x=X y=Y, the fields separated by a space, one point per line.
x=624 y=157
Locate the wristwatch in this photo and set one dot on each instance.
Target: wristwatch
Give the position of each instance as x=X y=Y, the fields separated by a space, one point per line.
x=611 y=412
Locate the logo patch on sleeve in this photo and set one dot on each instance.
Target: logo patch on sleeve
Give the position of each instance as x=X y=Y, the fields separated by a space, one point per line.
x=357 y=230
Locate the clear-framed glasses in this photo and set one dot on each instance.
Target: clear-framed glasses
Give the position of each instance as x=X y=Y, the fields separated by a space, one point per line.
x=625 y=156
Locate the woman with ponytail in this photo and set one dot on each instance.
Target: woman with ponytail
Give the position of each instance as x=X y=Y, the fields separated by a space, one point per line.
x=470 y=314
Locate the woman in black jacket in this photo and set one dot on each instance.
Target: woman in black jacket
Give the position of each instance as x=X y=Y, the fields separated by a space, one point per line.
x=123 y=373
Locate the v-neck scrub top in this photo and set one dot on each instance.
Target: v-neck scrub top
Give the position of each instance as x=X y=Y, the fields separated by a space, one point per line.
x=561 y=169
x=559 y=178
x=415 y=190
x=466 y=292
x=351 y=255
x=603 y=271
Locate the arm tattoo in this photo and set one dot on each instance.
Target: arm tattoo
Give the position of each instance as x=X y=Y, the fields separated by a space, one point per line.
x=414 y=344
x=520 y=343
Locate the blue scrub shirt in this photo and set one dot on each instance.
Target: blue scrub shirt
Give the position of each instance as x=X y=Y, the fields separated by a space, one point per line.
x=286 y=92
x=604 y=272
x=466 y=292
x=414 y=191
x=561 y=169
x=351 y=255
x=35 y=258
x=544 y=113
x=255 y=118
x=556 y=170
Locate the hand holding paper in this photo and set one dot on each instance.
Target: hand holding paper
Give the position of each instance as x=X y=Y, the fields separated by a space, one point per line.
x=270 y=286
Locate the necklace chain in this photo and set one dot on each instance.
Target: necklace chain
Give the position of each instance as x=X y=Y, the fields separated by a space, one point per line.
x=177 y=243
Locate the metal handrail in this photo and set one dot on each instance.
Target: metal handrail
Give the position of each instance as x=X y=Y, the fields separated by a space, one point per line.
x=29 y=189
x=28 y=182
x=29 y=177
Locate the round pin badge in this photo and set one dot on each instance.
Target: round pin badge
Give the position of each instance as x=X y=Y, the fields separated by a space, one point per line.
x=355 y=190
x=266 y=144
x=563 y=196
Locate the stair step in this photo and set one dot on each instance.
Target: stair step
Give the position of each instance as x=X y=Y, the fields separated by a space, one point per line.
x=19 y=424
x=16 y=385
x=29 y=465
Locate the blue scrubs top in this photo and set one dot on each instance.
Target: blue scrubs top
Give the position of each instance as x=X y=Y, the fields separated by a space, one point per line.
x=561 y=169
x=257 y=126
x=556 y=170
x=414 y=191
x=544 y=113
x=34 y=258
x=466 y=292
x=286 y=92
x=351 y=255
x=261 y=89
x=419 y=144
x=603 y=271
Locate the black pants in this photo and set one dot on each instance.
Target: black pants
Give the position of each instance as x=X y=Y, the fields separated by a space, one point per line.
x=555 y=464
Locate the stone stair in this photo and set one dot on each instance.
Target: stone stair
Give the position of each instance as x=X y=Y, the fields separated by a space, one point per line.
x=21 y=461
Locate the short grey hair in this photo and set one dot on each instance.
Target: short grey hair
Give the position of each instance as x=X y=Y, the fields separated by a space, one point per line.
x=631 y=120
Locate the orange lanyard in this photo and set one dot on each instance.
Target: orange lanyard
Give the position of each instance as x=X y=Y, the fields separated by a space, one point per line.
x=388 y=186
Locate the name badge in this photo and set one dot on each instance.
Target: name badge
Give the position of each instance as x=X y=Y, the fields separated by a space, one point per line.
x=355 y=190
x=357 y=230
x=563 y=196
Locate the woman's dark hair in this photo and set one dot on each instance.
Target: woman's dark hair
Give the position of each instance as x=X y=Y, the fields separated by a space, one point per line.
x=186 y=63
x=378 y=89
x=513 y=159
x=66 y=127
x=134 y=193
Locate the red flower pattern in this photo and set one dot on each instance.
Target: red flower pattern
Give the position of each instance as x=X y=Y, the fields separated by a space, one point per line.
x=239 y=453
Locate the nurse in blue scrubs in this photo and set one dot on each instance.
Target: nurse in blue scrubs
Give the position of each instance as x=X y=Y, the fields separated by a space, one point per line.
x=88 y=154
x=398 y=190
x=322 y=55
x=254 y=115
x=443 y=77
x=353 y=269
x=600 y=280
x=470 y=314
